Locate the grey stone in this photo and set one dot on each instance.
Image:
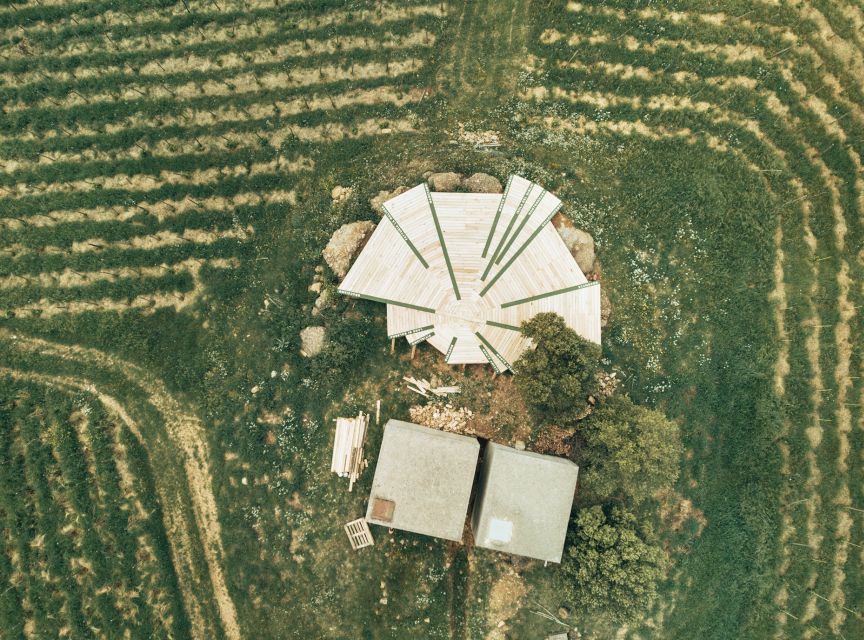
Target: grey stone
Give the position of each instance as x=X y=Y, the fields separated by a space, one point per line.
x=345 y=244
x=483 y=183
x=312 y=341
x=444 y=181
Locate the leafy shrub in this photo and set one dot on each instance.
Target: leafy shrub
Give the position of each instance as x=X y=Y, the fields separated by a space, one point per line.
x=557 y=376
x=630 y=451
x=612 y=564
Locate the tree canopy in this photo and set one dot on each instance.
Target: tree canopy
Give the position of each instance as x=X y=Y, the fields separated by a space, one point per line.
x=612 y=564
x=629 y=451
x=557 y=376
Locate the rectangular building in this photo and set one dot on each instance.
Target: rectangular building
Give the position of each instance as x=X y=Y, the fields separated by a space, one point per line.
x=423 y=480
x=523 y=503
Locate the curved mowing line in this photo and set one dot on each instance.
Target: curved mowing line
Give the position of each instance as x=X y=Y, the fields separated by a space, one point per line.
x=834 y=190
x=186 y=433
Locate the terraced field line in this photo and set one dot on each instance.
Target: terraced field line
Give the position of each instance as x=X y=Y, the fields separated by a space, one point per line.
x=161 y=210
x=204 y=145
x=187 y=434
x=205 y=117
x=231 y=87
x=146 y=181
x=780 y=303
x=164 y=67
x=196 y=34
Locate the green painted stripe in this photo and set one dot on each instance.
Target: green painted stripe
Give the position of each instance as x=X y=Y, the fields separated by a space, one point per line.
x=493 y=350
x=549 y=294
x=519 y=230
x=501 y=325
x=420 y=338
x=519 y=251
x=443 y=244
x=405 y=237
x=450 y=349
x=497 y=216
x=410 y=331
x=354 y=294
x=489 y=358
x=507 y=231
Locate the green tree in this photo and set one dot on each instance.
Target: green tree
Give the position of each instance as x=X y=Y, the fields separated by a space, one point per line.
x=612 y=564
x=557 y=376
x=629 y=451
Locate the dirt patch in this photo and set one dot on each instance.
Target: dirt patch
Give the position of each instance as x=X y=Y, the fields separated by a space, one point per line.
x=505 y=600
x=676 y=511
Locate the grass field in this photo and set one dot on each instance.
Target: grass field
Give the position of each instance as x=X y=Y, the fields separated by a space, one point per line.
x=165 y=189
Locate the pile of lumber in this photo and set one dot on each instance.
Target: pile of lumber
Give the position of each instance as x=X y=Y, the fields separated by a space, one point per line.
x=424 y=387
x=347 y=461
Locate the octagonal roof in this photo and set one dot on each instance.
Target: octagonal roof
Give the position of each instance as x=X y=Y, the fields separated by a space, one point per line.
x=464 y=270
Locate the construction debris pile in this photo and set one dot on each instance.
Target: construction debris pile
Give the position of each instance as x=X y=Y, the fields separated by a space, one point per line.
x=425 y=388
x=607 y=383
x=480 y=139
x=445 y=417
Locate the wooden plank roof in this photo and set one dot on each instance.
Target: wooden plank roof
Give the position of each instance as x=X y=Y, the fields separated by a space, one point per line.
x=463 y=270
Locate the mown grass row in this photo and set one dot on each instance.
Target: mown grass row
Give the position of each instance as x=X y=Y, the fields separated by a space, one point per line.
x=73 y=172
x=71 y=28
x=78 y=554
x=747 y=104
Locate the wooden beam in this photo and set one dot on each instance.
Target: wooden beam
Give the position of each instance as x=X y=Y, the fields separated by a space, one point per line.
x=497 y=216
x=549 y=294
x=443 y=244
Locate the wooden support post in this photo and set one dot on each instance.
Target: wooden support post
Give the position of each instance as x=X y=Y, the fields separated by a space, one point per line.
x=378 y=412
x=463 y=367
x=413 y=350
x=392 y=346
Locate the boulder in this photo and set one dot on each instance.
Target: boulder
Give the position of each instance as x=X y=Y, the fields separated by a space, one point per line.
x=483 y=183
x=445 y=181
x=322 y=301
x=605 y=307
x=312 y=340
x=341 y=194
x=345 y=244
x=384 y=196
x=580 y=243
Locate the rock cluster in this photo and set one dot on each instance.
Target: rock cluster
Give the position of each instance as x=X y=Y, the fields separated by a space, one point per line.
x=475 y=183
x=341 y=194
x=580 y=243
x=345 y=244
x=384 y=196
x=607 y=382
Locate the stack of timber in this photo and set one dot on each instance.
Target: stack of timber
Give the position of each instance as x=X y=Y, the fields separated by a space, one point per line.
x=347 y=461
x=424 y=387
